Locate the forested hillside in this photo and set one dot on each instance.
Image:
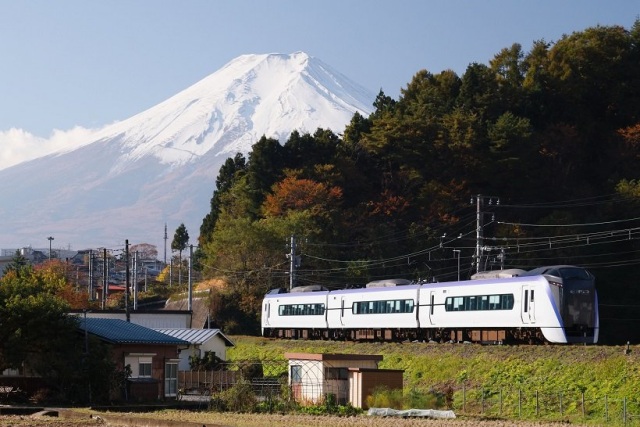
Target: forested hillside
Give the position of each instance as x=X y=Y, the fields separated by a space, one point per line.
x=552 y=132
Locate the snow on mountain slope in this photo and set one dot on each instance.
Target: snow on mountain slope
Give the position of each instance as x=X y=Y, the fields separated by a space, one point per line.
x=231 y=109
x=160 y=165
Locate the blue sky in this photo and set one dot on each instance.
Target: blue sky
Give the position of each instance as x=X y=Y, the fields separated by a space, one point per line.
x=72 y=63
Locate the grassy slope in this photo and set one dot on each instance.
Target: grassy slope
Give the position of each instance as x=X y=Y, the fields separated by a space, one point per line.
x=597 y=371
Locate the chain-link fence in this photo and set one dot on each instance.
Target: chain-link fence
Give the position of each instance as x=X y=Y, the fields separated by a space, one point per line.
x=523 y=403
x=265 y=378
x=269 y=380
x=277 y=382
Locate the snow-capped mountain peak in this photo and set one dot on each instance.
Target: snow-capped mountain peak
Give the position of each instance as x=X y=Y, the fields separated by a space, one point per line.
x=229 y=110
x=159 y=166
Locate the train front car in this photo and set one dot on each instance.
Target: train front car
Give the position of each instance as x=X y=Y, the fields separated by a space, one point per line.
x=577 y=301
x=491 y=310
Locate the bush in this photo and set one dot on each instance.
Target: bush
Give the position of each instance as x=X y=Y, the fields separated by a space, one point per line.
x=330 y=407
x=395 y=399
x=239 y=398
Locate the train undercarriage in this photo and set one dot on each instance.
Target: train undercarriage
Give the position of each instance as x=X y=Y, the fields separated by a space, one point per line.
x=440 y=335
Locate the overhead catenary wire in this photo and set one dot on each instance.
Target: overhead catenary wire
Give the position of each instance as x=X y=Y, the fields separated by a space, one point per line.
x=516 y=246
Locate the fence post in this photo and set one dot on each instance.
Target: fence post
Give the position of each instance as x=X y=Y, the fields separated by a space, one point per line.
x=520 y=403
x=560 y=397
x=464 y=398
x=583 y=409
x=500 y=401
x=482 y=396
x=537 y=405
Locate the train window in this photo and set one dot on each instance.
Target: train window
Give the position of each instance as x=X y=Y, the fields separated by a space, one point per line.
x=526 y=301
x=471 y=303
x=507 y=302
x=483 y=304
x=494 y=302
x=383 y=307
x=301 y=310
x=531 y=295
x=479 y=302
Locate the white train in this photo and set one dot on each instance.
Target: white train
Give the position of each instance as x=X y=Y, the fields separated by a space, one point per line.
x=555 y=304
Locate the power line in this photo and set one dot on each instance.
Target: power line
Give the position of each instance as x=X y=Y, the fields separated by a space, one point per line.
x=520 y=224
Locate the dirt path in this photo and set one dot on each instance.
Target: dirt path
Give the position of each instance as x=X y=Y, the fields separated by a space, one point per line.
x=214 y=419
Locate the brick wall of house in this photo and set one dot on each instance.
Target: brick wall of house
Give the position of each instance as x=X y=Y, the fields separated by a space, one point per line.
x=147 y=390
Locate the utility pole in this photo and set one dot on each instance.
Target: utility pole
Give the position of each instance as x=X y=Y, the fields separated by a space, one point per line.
x=127 y=280
x=50 y=239
x=457 y=252
x=479 y=248
x=478 y=254
x=105 y=282
x=135 y=280
x=190 y=303
x=165 y=243
x=90 y=275
x=294 y=262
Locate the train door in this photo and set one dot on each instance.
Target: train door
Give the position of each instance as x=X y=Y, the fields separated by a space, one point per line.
x=267 y=313
x=532 y=305
x=528 y=313
x=432 y=303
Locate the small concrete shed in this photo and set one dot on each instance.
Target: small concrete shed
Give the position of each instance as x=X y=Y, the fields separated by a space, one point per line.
x=349 y=378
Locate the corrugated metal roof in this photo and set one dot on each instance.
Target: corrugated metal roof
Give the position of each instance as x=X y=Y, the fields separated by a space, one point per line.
x=195 y=336
x=118 y=331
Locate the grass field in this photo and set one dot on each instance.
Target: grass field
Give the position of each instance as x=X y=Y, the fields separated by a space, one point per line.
x=546 y=382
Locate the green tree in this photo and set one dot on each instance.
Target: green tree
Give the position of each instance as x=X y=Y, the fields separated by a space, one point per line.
x=18 y=264
x=239 y=247
x=179 y=243
x=265 y=168
x=383 y=105
x=37 y=335
x=229 y=172
x=594 y=69
x=180 y=239
x=305 y=151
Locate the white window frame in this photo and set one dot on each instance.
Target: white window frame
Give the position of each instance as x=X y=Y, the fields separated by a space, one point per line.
x=171 y=382
x=145 y=363
x=135 y=362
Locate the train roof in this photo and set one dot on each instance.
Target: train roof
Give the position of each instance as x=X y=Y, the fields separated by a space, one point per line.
x=563 y=271
x=388 y=283
x=484 y=278
x=308 y=288
x=498 y=274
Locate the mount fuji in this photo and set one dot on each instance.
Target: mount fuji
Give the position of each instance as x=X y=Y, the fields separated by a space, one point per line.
x=159 y=166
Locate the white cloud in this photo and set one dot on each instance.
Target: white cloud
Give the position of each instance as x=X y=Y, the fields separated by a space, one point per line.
x=17 y=145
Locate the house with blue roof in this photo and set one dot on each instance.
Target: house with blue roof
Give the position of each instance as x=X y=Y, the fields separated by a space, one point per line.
x=201 y=341
x=150 y=357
